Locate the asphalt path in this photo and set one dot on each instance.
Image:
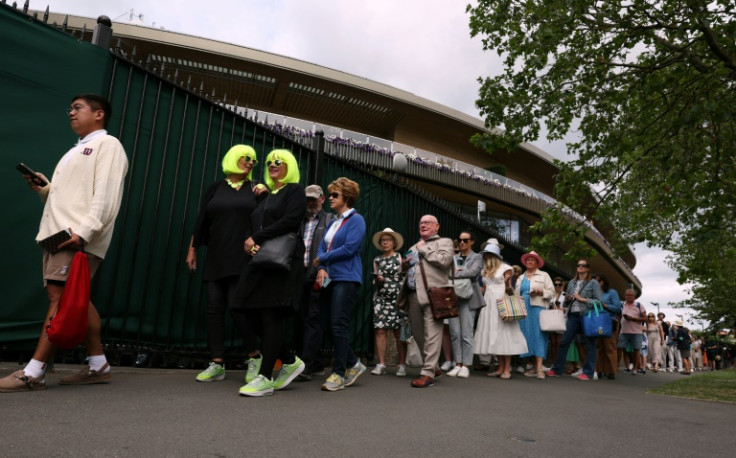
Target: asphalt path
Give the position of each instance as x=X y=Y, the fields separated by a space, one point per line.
x=166 y=413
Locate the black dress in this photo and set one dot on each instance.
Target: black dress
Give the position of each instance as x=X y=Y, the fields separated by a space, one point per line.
x=223 y=224
x=278 y=214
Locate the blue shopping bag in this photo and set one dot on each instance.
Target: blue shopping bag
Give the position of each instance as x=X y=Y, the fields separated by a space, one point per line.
x=597 y=322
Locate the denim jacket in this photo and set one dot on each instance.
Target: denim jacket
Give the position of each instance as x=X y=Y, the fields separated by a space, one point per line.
x=591 y=289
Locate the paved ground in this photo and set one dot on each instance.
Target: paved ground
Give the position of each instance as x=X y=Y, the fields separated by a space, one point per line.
x=153 y=412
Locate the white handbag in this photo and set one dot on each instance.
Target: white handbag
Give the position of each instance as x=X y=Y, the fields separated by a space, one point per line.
x=552 y=320
x=464 y=288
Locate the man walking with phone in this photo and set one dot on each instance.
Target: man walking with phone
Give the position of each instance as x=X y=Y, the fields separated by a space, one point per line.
x=84 y=196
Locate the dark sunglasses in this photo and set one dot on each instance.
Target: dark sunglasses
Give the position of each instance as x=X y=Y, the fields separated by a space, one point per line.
x=583 y=265
x=249 y=159
x=558 y=284
x=334 y=195
x=277 y=163
x=463 y=240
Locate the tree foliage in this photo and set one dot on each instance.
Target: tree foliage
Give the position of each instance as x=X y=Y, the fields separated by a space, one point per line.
x=650 y=90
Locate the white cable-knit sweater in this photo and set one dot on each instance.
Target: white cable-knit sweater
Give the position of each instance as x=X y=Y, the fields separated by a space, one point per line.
x=85 y=191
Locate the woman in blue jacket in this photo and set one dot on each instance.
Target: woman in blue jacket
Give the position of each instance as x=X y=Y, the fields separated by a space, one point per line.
x=339 y=276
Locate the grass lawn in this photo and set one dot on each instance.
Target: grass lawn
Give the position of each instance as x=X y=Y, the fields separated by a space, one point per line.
x=712 y=386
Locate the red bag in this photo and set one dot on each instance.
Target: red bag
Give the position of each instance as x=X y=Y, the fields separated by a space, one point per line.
x=68 y=325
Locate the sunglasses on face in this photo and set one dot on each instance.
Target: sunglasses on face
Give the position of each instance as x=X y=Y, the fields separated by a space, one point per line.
x=277 y=163
x=463 y=240
x=248 y=160
x=334 y=195
x=583 y=265
x=558 y=284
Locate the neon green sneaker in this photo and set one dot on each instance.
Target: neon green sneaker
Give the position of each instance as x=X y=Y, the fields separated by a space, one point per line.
x=288 y=373
x=215 y=372
x=260 y=386
x=254 y=366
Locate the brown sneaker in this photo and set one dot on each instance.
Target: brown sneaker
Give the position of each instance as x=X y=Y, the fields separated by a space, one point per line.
x=19 y=381
x=87 y=377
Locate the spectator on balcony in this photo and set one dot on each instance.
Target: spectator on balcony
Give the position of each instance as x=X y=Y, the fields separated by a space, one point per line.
x=267 y=296
x=536 y=287
x=387 y=277
x=223 y=223
x=493 y=335
x=339 y=275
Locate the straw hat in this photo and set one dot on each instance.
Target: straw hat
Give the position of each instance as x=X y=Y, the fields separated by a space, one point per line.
x=388 y=231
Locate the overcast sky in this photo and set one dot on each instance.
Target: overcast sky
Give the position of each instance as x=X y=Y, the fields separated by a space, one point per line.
x=421 y=46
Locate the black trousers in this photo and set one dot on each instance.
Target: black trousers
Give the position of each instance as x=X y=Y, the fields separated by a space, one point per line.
x=220 y=294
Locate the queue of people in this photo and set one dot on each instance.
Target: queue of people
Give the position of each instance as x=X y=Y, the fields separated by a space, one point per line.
x=273 y=252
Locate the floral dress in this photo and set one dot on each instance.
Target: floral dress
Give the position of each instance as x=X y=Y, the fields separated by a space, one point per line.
x=386 y=315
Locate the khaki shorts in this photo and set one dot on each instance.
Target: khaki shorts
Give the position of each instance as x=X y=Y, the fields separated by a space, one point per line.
x=56 y=266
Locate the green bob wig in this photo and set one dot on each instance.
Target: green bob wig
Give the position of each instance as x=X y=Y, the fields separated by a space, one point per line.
x=231 y=158
x=292 y=168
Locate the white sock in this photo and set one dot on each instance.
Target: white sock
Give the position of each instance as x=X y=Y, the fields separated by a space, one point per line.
x=96 y=362
x=35 y=369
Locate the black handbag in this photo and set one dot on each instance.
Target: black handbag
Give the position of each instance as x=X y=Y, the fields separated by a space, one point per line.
x=276 y=253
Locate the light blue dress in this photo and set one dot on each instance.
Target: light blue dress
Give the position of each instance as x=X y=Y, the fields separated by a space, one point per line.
x=536 y=340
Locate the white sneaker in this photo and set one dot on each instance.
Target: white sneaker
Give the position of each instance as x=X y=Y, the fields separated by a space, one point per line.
x=631 y=366
x=380 y=369
x=545 y=368
x=529 y=366
x=446 y=366
x=577 y=372
x=464 y=372
x=520 y=369
x=454 y=371
x=595 y=375
x=401 y=371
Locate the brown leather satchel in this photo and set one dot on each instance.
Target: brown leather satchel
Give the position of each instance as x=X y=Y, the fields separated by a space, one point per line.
x=442 y=299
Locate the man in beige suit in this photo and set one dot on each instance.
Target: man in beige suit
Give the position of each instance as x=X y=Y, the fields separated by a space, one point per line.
x=436 y=255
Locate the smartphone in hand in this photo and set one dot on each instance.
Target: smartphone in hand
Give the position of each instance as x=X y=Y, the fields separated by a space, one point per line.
x=36 y=178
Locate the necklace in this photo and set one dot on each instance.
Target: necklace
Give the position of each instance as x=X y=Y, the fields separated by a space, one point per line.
x=234 y=184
